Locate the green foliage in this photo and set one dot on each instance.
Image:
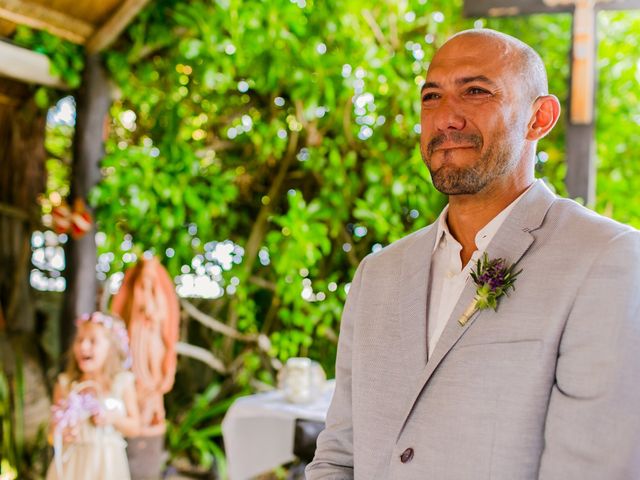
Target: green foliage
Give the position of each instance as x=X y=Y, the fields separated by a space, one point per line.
x=58 y=141
x=20 y=458
x=618 y=117
x=12 y=421
x=67 y=60
x=193 y=433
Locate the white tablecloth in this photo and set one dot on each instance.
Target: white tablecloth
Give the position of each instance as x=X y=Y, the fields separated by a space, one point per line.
x=258 y=430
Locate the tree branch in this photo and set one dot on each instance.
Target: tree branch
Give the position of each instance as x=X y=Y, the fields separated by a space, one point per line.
x=199 y=353
x=346 y=124
x=261 y=282
x=377 y=31
x=260 y=226
x=393 y=24
x=213 y=324
x=271 y=314
x=351 y=255
x=15 y=212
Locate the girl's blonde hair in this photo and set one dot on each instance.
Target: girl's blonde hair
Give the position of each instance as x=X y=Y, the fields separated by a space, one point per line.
x=119 y=358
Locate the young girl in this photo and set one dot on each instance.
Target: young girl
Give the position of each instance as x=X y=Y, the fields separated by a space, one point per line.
x=94 y=404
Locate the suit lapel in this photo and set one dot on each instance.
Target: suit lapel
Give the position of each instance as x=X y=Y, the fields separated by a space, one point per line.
x=511 y=242
x=416 y=267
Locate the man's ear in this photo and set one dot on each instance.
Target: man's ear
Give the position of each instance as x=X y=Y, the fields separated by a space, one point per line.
x=546 y=110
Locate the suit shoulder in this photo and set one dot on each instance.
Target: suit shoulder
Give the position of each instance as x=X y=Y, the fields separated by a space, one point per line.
x=396 y=249
x=576 y=220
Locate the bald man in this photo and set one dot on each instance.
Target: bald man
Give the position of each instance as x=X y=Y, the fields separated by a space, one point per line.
x=547 y=386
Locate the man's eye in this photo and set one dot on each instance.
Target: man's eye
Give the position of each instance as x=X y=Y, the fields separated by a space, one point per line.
x=430 y=96
x=477 y=91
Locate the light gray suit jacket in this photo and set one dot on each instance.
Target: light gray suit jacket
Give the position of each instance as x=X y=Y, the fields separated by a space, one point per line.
x=547 y=387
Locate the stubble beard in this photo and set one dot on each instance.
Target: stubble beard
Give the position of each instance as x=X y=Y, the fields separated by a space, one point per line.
x=451 y=180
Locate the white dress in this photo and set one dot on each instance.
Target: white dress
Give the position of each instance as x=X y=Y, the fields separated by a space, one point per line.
x=97 y=453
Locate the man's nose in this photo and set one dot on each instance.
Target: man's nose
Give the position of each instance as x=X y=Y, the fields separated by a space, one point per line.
x=448 y=116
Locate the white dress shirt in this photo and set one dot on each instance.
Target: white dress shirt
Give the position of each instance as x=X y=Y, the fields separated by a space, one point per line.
x=448 y=277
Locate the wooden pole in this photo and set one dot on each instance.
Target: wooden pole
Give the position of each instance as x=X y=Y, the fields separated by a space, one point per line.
x=93 y=101
x=581 y=163
x=22 y=180
x=580 y=140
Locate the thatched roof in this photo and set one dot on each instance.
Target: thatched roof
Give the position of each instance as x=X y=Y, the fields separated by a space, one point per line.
x=94 y=24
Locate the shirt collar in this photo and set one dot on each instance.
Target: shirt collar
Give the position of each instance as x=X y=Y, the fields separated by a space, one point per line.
x=486 y=233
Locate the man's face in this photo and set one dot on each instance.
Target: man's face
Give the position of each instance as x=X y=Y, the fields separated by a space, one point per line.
x=473 y=115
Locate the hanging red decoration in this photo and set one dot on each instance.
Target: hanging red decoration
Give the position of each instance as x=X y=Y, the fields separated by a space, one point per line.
x=76 y=221
x=80 y=219
x=61 y=218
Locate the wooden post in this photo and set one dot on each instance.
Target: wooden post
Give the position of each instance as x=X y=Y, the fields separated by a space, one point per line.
x=581 y=163
x=22 y=180
x=93 y=101
x=580 y=138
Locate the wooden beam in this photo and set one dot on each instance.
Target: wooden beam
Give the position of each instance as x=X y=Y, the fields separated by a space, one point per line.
x=44 y=18
x=110 y=30
x=12 y=102
x=12 y=210
x=27 y=66
x=500 y=8
x=6 y=28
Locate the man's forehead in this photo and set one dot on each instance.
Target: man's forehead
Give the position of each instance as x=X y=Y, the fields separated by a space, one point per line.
x=485 y=45
x=468 y=62
x=461 y=70
x=472 y=50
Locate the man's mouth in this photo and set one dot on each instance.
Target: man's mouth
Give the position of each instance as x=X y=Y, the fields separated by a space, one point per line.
x=454 y=140
x=452 y=147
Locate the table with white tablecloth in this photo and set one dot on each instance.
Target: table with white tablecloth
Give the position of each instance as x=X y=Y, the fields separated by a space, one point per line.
x=258 y=430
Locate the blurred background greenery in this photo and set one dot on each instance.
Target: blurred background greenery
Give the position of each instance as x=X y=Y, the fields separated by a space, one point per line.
x=262 y=148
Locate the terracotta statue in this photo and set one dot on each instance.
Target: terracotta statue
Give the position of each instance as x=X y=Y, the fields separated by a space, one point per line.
x=148 y=303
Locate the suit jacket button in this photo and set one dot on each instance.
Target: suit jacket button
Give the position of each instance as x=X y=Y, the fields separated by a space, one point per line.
x=407 y=455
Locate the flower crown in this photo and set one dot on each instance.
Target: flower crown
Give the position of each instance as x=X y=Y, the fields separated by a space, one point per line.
x=118 y=329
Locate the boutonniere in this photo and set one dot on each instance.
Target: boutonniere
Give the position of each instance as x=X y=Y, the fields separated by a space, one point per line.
x=493 y=279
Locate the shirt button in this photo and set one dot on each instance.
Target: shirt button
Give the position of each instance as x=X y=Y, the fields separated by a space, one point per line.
x=450 y=274
x=407 y=455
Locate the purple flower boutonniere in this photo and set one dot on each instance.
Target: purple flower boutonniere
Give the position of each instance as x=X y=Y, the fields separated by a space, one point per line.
x=494 y=278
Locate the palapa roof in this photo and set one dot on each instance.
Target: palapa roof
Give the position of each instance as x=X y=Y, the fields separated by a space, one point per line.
x=92 y=23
